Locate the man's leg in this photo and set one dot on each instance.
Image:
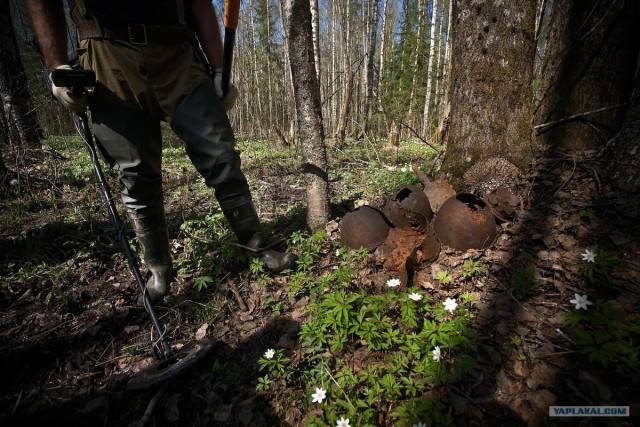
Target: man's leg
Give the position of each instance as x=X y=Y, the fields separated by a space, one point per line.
x=203 y=124
x=131 y=143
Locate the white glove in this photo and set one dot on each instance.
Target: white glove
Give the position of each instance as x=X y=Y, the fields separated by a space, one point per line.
x=229 y=100
x=66 y=97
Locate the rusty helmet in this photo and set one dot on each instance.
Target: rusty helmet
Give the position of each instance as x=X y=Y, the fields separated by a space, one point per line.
x=465 y=222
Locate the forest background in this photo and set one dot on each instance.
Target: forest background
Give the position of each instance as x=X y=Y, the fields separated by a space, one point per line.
x=550 y=87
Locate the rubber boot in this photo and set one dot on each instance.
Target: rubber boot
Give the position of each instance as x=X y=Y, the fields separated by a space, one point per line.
x=152 y=235
x=246 y=226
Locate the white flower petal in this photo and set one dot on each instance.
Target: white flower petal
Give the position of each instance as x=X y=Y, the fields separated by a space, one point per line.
x=436 y=353
x=589 y=255
x=392 y=283
x=269 y=353
x=319 y=395
x=415 y=296
x=450 y=305
x=580 y=301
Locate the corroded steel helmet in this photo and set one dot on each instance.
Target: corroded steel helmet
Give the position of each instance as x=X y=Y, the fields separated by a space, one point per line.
x=363 y=227
x=465 y=222
x=408 y=207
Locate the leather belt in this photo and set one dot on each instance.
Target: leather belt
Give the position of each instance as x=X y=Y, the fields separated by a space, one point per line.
x=141 y=34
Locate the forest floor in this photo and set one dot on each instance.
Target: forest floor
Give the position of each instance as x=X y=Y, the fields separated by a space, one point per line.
x=71 y=331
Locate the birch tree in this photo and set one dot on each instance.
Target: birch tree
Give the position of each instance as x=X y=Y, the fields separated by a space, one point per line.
x=373 y=6
x=432 y=52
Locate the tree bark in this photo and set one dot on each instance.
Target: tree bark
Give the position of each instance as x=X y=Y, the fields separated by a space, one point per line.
x=417 y=68
x=315 y=27
x=490 y=83
x=21 y=118
x=426 y=130
x=591 y=57
x=309 y=112
x=370 y=63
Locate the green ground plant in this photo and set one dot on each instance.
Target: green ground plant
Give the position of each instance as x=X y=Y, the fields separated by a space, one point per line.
x=472 y=268
x=607 y=335
x=414 y=344
x=600 y=267
x=524 y=282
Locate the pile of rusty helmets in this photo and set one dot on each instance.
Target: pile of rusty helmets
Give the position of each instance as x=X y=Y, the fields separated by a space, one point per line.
x=464 y=221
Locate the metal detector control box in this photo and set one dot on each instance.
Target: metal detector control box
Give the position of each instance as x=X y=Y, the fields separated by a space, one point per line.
x=73 y=78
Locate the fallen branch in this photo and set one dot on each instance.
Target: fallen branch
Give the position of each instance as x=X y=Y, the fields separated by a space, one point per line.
x=413 y=131
x=238 y=297
x=578 y=115
x=151 y=406
x=237 y=245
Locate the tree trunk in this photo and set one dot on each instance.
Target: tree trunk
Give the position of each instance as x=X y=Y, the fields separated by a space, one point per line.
x=417 y=68
x=587 y=74
x=341 y=129
x=370 y=63
x=426 y=130
x=257 y=84
x=21 y=119
x=492 y=66
x=315 y=27
x=288 y=87
x=309 y=112
x=4 y=140
x=381 y=68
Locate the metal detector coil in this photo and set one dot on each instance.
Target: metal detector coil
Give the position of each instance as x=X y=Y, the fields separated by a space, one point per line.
x=163 y=370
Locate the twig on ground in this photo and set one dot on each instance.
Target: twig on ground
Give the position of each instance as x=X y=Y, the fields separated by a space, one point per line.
x=566 y=180
x=237 y=295
x=152 y=406
x=237 y=245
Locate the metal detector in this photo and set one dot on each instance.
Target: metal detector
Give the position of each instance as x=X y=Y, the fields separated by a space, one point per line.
x=169 y=362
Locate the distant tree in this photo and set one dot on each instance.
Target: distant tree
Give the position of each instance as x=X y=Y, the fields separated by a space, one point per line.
x=493 y=48
x=587 y=75
x=21 y=120
x=310 y=129
x=374 y=17
x=3 y=141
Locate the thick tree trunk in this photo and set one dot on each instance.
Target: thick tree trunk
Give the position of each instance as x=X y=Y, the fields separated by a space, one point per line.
x=491 y=71
x=21 y=119
x=587 y=72
x=309 y=112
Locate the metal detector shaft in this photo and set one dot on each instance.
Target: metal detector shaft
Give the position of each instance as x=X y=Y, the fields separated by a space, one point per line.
x=117 y=222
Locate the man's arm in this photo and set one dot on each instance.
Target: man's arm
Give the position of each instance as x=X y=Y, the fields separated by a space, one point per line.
x=50 y=27
x=208 y=31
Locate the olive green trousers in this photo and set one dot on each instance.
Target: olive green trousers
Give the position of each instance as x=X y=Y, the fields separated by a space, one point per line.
x=138 y=86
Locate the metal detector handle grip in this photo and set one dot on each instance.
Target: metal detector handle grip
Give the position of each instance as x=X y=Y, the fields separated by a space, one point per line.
x=77 y=80
x=231 y=13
